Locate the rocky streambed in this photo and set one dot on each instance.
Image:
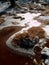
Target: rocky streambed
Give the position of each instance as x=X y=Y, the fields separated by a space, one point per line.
x=14 y=23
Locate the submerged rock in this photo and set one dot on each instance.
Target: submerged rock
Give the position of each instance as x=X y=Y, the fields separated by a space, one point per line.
x=45 y=51
x=45 y=55
x=27 y=43
x=18 y=17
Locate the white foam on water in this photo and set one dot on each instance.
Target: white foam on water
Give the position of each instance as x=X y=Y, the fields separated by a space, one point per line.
x=29 y=20
x=46 y=29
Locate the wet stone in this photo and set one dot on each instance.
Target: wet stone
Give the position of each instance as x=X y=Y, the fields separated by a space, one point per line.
x=44 y=56
x=36 y=40
x=37 y=49
x=27 y=43
x=22 y=18
x=18 y=17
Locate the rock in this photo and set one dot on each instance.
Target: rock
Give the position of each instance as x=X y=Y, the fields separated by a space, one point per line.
x=22 y=18
x=37 y=49
x=18 y=17
x=35 y=40
x=47 y=61
x=44 y=56
x=1 y=20
x=45 y=51
x=25 y=43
